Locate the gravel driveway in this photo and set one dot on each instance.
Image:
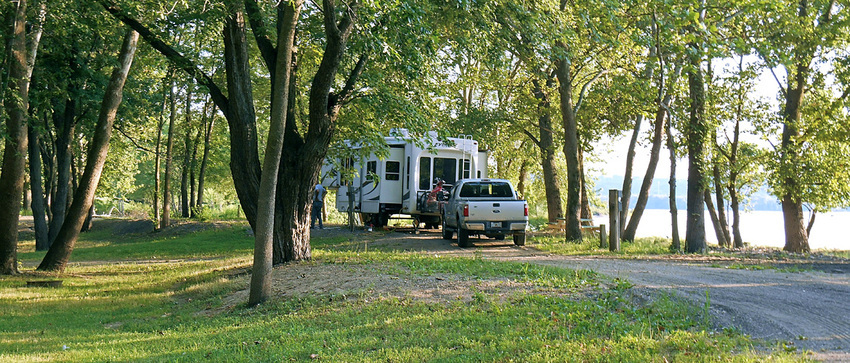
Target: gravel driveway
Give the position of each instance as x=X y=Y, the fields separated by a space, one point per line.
x=810 y=309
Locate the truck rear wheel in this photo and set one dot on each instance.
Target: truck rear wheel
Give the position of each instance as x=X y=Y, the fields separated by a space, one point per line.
x=519 y=239
x=463 y=238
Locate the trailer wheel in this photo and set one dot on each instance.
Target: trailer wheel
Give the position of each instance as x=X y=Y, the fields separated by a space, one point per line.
x=463 y=238
x=519 y=239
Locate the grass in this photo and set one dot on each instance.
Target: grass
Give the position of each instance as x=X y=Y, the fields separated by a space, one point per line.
x=144 y=298
x=590 y=246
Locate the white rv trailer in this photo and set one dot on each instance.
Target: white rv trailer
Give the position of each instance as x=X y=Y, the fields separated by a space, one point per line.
x=401 y=183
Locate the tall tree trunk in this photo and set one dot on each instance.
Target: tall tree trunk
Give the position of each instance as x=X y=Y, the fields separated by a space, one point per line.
x=796 y=238
x=732 y=187
x=203 y=170
x=551 y=182
x=674 y=209
x=654 y=155
x=166 y=83
x=42 y=243
x=571 y=151
x=696 y=135
x=169 y=146
x=59 y=253
x=264 y=234
x=187 y=157
x=15 y=149
x=64 y=134
x=193 y=163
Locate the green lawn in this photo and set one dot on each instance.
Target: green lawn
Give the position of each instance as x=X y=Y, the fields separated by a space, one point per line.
x=148 y=298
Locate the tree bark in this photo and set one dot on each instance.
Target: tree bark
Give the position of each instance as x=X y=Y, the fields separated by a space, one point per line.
x=59 y=253
x=695 y=135
x=15 y=149
x=573 y=223
x=169 y=146
x=264 y=234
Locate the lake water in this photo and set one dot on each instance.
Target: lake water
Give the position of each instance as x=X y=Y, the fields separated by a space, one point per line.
x=758 y=228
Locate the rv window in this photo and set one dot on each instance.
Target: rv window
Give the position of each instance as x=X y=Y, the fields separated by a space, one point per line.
x=466 y=165
x=392 y=170
x=371 y=169
x=424 y=173
x=445 y=169
x=407 y=174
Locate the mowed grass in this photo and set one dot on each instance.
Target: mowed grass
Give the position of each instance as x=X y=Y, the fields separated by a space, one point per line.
x=144 y=298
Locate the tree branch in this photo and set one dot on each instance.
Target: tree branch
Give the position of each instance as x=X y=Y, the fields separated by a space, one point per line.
x=136 y=144
x=346 y=91
x=268 y=51
x=179 y=60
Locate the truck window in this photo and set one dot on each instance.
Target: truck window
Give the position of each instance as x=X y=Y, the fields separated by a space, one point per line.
x=486 y=189
x=445 y=169
x=424 y=173
x=392 y=170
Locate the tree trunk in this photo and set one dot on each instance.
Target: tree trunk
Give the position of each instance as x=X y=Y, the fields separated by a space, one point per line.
x=264 y=234
x=715 y=221
x=523 y=177
x=203 y=170
x=169 y=146
x=674 y=209
x=193 y=163
x=654 y=155
x=166 y=83
x=721 y=207
x=42 y=243
x=187 y=157
x=573 y=224
x=15 y=149
x=796 y=238
x=696 y=135
x=59 y=253
x=585 y=213
x=551 y=182
x=64 y=134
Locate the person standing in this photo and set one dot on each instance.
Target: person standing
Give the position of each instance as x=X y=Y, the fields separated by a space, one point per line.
x=318 y=203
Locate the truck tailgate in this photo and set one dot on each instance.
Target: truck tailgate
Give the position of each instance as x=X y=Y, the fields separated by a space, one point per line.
x=500 y=210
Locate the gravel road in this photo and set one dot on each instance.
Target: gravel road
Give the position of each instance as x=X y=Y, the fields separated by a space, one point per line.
x=810 y=309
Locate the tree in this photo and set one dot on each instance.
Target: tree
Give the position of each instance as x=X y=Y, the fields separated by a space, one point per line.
x=264 y=235
x=60 y=251
x=12 y=176
x=795 y=35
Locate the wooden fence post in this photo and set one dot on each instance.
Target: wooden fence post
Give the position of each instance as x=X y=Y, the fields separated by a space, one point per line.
x=614 y=196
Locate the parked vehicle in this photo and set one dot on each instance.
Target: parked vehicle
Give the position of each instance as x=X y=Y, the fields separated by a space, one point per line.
x=487 y=207
x=404 y=180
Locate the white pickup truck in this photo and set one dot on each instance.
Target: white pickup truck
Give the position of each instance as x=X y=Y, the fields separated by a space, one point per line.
x=487 y=207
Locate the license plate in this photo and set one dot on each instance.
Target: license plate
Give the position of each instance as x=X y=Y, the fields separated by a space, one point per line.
x=496 y=225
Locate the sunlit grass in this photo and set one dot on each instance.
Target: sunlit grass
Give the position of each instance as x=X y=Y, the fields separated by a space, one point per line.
x=590 y=245
x=117 y=303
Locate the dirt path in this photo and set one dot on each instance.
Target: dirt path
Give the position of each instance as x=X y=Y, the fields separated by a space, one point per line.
x=810 y=309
